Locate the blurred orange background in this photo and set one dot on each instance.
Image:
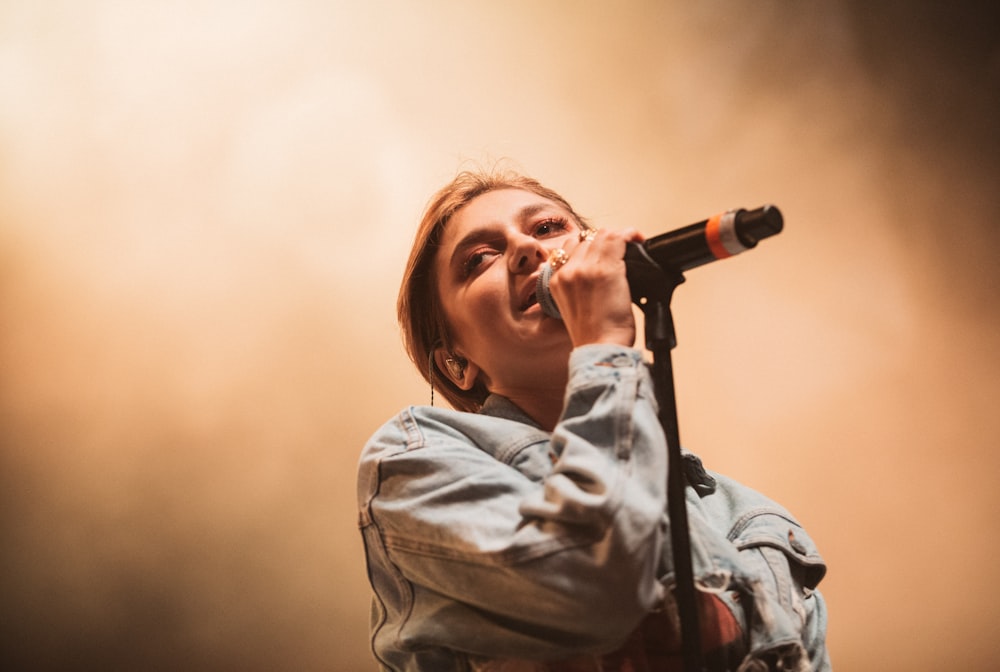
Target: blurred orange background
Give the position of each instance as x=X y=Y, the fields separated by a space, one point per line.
x=205 y=208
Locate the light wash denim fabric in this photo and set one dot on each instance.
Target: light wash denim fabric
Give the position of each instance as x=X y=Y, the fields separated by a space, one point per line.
x=491 y=543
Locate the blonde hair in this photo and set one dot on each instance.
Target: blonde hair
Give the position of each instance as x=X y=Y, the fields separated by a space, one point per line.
x=418 y=307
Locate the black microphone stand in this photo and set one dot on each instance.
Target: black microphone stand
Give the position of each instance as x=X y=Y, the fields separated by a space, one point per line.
x=652 y=288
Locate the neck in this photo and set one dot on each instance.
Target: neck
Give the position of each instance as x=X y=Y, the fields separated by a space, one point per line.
x=543 y=405
x=536 y=386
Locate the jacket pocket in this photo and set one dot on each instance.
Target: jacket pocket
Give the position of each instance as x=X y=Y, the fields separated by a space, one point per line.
x=785 y=553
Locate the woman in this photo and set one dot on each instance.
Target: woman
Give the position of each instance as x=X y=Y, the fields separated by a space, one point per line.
x=526 y=530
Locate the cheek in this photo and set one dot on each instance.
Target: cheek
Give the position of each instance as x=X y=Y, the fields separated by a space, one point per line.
x=458 y=309
x=488 y=299
x=475 y=309
x=469 y=310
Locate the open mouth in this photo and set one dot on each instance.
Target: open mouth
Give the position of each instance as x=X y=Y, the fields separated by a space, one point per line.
x=529 y=302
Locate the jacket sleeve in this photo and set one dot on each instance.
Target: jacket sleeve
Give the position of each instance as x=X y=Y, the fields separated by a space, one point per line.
x=814 y=633
x=775 y=563
x=467 y=552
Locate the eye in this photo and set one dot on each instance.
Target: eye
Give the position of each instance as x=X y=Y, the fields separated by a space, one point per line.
x=476 y=259
x=550 y=227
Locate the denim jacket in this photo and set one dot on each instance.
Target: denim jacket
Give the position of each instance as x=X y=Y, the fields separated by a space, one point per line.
x=491 y=541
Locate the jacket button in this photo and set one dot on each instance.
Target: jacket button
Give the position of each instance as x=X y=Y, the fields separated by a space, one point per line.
x=621 y=361
x=795 y=543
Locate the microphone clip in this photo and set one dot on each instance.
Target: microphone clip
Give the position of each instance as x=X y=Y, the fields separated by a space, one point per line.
x=652 y=288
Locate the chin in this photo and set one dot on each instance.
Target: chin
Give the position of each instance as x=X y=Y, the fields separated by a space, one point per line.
x=557 y=338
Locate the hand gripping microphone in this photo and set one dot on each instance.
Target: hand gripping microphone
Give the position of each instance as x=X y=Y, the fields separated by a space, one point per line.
x=674 y=252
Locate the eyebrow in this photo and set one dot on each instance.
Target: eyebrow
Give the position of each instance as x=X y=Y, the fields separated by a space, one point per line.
x=491 y=232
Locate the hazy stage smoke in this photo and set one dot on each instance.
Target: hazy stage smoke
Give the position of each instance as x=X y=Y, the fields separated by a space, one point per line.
x=204 y=212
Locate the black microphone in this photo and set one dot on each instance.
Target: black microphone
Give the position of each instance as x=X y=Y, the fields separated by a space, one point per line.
x=718 y=237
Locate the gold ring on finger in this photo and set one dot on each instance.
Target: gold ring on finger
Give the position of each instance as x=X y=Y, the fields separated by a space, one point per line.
x=557 y=258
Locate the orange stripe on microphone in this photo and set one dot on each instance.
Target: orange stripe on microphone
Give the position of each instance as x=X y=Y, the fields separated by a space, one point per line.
x=713 y=237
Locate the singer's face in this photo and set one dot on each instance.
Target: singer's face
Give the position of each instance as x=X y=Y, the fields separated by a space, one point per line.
x=487 y=269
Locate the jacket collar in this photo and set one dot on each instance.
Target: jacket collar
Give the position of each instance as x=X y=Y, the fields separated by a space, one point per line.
x=694 y=471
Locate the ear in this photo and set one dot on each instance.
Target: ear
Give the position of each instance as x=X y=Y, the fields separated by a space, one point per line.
x=456 y=368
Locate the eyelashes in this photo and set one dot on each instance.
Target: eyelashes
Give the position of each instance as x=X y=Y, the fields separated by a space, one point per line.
x=475 y=259
x=544 y=228
x=551 y=226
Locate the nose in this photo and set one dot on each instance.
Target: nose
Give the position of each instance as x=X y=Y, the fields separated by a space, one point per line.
x=526 y=254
